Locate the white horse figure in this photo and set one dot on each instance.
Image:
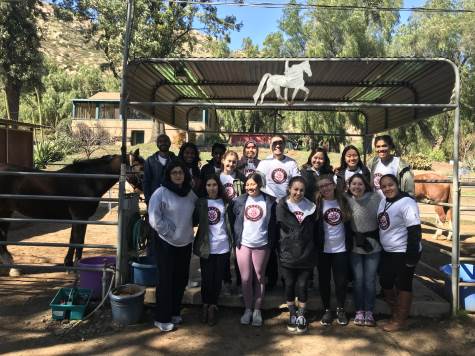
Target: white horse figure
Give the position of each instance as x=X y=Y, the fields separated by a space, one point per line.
x=292 y=79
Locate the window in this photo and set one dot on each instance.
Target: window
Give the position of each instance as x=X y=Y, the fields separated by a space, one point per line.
x=137 y=137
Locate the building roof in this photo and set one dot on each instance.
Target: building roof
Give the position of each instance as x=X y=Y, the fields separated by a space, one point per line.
x=389 y=92
x=102 y=96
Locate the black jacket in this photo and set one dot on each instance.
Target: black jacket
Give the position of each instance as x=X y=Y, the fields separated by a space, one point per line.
x=297 y=242
x=238 y=210
x=340 y=177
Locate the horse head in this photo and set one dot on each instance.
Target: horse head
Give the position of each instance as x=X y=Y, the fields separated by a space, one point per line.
x=135 y=168
x=306 y=68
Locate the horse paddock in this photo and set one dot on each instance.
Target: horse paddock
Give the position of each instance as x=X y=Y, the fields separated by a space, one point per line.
x=26 y=323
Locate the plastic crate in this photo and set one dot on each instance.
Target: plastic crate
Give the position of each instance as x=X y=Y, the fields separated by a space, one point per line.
x=70 y=303
x=466 y=294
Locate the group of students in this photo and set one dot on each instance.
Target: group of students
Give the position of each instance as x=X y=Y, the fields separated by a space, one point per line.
x=269 y=214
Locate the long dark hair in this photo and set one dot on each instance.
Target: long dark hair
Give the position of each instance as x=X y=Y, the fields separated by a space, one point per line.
x=194 y=148
x=174 y=164
x=326 y=168
x=343 y=164
x=256 y=177
x=387 y=139
x=221 y=192
x=367 y=186
x=341 y=200
x=296 y=179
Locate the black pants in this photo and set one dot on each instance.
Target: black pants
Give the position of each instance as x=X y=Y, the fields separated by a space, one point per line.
x=227 y=273
x=272 y=270
x=212 y=273
x=336 y=264
x=394 y=272
x=173 y=264
x=295 y=279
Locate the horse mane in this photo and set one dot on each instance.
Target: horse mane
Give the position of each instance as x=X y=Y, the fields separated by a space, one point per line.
x=88 y=165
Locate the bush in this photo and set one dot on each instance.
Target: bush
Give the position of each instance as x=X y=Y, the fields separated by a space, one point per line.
x=437 y=155
x=45 y=152
x=419 y=161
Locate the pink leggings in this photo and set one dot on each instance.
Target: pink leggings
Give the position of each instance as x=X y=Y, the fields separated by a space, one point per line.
x=252 y=264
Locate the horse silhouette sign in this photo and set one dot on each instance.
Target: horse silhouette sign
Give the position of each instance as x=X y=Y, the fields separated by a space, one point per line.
x=293 y=78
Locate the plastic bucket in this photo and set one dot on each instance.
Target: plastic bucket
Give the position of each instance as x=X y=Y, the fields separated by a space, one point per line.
x=467 y=294
x=93 y=279
x=127 y=303
x=144 y=271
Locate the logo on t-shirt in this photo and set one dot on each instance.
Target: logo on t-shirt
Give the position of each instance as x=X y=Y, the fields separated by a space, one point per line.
x=279 y=175
x=253 y=212
x=214 y=215
x=249 y=171
x=333 y=216
x=383 y=220
x=229 y=191
x=299 y=216
x=376 y=179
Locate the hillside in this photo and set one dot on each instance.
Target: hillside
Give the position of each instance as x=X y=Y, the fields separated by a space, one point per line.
x=64 y=43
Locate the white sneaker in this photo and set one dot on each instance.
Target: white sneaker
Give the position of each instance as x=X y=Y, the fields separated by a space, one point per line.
x=164 y=326
x=177 y=319
x=246 y=317
x=257 y=318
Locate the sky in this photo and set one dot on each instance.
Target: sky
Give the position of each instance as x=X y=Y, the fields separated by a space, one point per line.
x=259 y=22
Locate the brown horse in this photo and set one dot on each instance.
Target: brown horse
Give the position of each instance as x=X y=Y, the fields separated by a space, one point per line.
x=437 y=192
x=62 y=186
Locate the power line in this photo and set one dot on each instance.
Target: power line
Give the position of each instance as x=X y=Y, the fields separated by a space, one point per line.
x=273 y=5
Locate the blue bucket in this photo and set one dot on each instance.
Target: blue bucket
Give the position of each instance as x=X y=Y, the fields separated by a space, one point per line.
x=144 y=271
x=467 y=294
x=127 y=303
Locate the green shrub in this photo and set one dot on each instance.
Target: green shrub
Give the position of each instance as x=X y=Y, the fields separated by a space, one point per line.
x=437 y=155
x=419 y=161
x=45 y=152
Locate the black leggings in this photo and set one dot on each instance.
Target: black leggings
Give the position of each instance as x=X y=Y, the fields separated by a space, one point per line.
x=212 y=272
x=338 y=264
x=295 y=279
x=394 y=272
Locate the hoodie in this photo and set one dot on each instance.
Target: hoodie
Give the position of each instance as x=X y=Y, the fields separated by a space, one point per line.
x=246 y=165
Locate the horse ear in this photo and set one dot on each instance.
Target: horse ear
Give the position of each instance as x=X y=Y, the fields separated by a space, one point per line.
x=137 y=152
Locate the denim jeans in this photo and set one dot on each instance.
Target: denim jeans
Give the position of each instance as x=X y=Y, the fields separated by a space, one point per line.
x=364 y=284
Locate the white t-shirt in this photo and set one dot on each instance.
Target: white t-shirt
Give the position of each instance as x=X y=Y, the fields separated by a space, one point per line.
x=393 y=221
x=254 y=233
x=302 y=209
x=162 y=160
x=218 y=238
x=278 y=174
x=227 y=182
x=381 y=170
x=333 y=227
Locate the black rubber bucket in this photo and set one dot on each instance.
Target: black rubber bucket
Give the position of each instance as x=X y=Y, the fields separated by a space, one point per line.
x=127 y=303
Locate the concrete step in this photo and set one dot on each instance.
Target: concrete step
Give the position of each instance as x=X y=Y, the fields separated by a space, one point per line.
x=426 y=302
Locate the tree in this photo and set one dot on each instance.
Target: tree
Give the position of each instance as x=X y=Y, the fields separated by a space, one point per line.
x=160 y=29
x=21 y=62
x=248 y=48
x=273 y=45
x=91 y=138
x=292 y=25
x=448 y=35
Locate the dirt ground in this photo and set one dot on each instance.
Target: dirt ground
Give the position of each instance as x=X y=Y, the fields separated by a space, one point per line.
x=26 y=325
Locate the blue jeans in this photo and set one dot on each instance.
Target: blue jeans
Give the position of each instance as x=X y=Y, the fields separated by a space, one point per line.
x=364 y=283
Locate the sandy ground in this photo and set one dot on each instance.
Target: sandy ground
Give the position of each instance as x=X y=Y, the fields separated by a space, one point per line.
x=26 y=326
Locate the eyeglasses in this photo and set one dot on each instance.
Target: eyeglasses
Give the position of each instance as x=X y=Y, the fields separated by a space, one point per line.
x=275 y=143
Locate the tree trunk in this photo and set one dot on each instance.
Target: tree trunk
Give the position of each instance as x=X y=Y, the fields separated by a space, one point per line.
x=12 y=88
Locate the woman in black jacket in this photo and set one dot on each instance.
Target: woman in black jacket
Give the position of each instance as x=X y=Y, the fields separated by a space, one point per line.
x=296 y=222
x=350 y=164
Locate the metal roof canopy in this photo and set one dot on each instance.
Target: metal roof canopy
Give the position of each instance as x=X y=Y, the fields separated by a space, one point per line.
x=389 y=92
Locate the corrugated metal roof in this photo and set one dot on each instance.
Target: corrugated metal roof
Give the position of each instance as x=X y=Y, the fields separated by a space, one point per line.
x=168 y=88
x=104 y=95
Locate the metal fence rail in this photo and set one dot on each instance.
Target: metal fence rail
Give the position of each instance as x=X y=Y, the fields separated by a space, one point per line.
x=60 y=221
x=57 y=244
x=56 y=197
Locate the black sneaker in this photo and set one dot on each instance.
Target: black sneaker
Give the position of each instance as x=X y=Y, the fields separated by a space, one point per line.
x=292 y=324
x=301 y=324
x=341 y=316
x=327 y=318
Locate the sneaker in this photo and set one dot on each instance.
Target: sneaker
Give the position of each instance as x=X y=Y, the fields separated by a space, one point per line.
x=246 y=317
x=177 y=320
x=360 y=318
x=327 y=318
x=257 y=318
x=301 y=324
x=193 y=284
x=292 y=324
x=341 y=316
x=369 y=319
x=164 y=326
